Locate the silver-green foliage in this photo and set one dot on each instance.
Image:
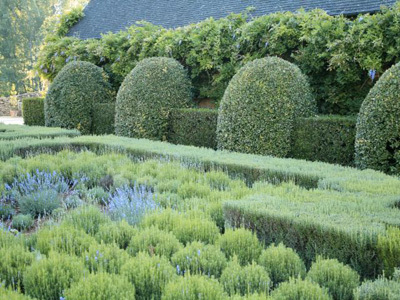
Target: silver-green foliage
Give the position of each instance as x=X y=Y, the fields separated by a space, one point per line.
x=148 y=94
x=259 y=107
x=296 y=289
x=380 y=289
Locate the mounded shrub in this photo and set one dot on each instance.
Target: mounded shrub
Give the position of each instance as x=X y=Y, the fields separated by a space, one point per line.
x=119 y=233
x=260 y=104
x=103 y=118
x=193 y=288
x=101 y=286
x=88 y=218
x=33 y=111
x=194 y=127
x=198 y=258
x=281 y=263
x=339 y=279
x=296 y=289
x=149 y=275
x=63 y=239
x=380 y=289
x=105 y=258
x=378 y=126
x=22 y=222
x=49 y=277
x=389 y=250
x=10 y=294
x=155 y=242
x=242 y=243
x=40 y=203
x=148 y=94
x=245 y=280
x=14 y=260
x=74 y=94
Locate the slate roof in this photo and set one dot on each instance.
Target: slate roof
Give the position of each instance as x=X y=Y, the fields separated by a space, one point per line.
x=102 y=16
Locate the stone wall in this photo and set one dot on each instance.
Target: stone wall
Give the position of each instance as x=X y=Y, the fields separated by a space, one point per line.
x=5 y=105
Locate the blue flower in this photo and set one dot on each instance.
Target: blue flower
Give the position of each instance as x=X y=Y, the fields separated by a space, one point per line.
x=372 y=74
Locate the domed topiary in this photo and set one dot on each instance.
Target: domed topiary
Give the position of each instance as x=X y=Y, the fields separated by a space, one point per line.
x=378 y=125
x=258 y=108
x=148 y=94
x=74 y=95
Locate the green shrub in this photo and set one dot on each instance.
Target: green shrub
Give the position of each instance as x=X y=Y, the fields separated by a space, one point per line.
x=105 y=258
x=8 y=239
x=98 y=195
x=187 y=228
x=155 y=242
x=260 y=105
x=49 y=277
x=6 y=211
x=245 y=280
x=197 y=258
x=14 y=260
x=33 y=111
x=340 y=280
x=194 y=127
x=103 y=118
x=148 y=94
x=22 y=222
x=281 y=263
x=380 y=289
x=193 y=288
x=378 y=129
x=16 y=132
x=40 y=203
x=88 y=218
x=325 y=138
x=101 y=286
x=149 y=275
x=10 y=294
x=63 y=239
x=389 y=249
x=119 y=233
x=73 y=95
x=296 y=289
x=242 y=243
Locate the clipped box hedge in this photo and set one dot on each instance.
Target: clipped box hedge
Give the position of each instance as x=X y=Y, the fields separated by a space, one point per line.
x=103 y=118
x=325 y=138
x=33 y=111
x=194 y=127
x=14 y=132
x=316 y=208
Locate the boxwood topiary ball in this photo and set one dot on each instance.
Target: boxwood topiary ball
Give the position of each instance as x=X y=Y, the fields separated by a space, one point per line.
x=148 y=94
x=74 y=95
x=259 y=106
x=378 y=125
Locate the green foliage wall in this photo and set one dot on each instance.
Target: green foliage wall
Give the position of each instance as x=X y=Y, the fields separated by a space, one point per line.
x=148 y=94
x=324 y=138
x=335 y=52
x=195 y=127
x=378 y=125
x=260 y=105
x=33 y=111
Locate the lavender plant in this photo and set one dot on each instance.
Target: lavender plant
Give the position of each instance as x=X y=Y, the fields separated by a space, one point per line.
x=131 y=203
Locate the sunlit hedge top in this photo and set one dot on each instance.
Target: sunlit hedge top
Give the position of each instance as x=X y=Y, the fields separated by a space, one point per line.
x=259 y=106
x=148 y=94
x=73 y=95
x=378 y=125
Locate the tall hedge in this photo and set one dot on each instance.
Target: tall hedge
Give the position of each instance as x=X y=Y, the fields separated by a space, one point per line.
x=33 y=111
x=74 y=94
x=260 y=105
x=148 y=94
x=378 y=125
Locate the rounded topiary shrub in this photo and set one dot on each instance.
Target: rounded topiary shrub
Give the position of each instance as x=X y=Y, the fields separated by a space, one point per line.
x=259 y=106
x=378 y=125
x=380 y=289
x=119 y=233
x=101 y=286
x=246 y=280
x=339 y=279
x=281 y=263
x=148 y=94
x=149 y=275
x=296 y=289
x=242 y=243
x=198 y=258
x=73 y=96
x=193 y=288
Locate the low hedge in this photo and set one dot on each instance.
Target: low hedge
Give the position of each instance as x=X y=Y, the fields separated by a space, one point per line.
x=14 y=132
x=33 y=111
x=195 y=127
x=325 y=138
